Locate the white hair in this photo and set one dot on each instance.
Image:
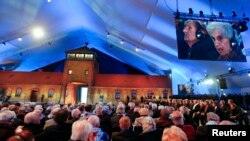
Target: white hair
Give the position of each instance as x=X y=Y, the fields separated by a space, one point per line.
x=148 y=124
x=227 y=122
x=225 y=28
x=32 y=117
x=174 y=133
x=75 y=113
x=120 y=109
x=131 y=105
x=7 y=115
x=154 y=106
x=94 y=120
x=81 y=130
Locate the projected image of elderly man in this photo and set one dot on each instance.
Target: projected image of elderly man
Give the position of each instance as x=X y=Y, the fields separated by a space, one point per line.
x=196 y=43
x=226 y=41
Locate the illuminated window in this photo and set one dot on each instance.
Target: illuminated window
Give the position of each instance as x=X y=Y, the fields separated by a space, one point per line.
x=71 y=55
x=88 y=56
x=80 y=56
x=70 y=71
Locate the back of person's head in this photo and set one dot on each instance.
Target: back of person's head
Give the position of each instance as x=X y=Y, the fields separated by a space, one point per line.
x=39 y=108
x=164 y=113
x=177 y=118
x=24 y=135
x=184 y=110
x=154 y=106
x=144 y=112
x=81 y=108
x=124 y=123
x=7 y=115
x=76 y=113
x=94 y=120
x=88 y=108
x=32 y=118
x=227 y=122
x=212 y=116
x=81 y=130
x=148 y=124
x=53 y=112
x=174 y=133
x=61 y=116
x=136 y=109
x=131 y=105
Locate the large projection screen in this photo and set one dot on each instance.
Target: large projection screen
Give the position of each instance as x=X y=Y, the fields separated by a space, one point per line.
x=209 y=40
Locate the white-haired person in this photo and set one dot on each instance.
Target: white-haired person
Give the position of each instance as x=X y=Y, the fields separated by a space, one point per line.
x=75 y=115
x=227 y=122
x=100 y=135
x=174 y=133
x=6 y=127
x=227 y=41
x=105 y=123
x=137 y=125
x=188 y=118
x=149 y=130
x=82 y=130
x=212 y=119
x=32 y=122
x=120 y=112
x=51 y=121
x=178 y=120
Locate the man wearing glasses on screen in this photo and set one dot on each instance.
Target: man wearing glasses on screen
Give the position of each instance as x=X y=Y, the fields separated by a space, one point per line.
x=226 y=41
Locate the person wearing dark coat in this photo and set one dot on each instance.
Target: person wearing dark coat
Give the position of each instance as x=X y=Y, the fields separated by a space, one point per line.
x=125 y=134
x=59 y=132
x=195 y=43
x=6 y=127
x=150 y=132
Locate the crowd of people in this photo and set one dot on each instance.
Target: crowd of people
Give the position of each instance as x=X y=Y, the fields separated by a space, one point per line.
x=161 y=120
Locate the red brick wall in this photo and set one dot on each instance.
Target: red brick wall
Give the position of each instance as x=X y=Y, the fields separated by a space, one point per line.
x=78 y=68
x=138 y=81
x=9 y=77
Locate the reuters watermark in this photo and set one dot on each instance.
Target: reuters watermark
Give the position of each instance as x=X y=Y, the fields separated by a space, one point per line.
x=226 y=131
